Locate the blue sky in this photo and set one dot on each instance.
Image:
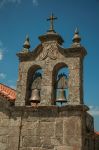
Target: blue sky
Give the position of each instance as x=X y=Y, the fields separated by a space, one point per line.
x=21 y=17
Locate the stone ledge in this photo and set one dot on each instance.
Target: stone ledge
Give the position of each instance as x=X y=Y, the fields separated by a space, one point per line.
x=48 y=111
x=53 y=107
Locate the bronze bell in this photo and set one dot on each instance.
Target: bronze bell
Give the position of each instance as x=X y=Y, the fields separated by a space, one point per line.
x=35 y=96
x=61 y=95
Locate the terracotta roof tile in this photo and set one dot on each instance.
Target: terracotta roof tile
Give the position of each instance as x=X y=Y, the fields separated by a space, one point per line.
x=7 y=92
x=97 y=133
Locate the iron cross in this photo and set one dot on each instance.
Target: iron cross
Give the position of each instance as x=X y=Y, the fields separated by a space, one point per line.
x=51 y=19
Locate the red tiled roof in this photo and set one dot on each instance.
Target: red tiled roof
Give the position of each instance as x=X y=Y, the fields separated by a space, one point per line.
x=7 y=92
x=97 y=133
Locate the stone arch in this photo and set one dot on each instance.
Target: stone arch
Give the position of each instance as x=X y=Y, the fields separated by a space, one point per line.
x=58 y=69
x=30 y=75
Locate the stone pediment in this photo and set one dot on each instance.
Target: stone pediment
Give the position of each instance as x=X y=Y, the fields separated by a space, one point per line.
x=51 y=50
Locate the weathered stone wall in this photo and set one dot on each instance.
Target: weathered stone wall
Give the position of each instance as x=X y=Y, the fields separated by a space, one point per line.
x=88 y=131
x=9 y=128
x=96 y=141
x=42 y=128
x=50 y=56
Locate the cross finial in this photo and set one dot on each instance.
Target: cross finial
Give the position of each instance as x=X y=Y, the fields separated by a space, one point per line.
x=51 y=19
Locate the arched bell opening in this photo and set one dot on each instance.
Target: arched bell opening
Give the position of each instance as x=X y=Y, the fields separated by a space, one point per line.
x=60 y=84
x=34 y=85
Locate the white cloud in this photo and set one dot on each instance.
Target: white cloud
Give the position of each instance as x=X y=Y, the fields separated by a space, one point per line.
x=94 y=110
x=14 y=1
x=35 y=2
x=3 y=2
x=1 y=55
x=2 y=76
x=1 y=50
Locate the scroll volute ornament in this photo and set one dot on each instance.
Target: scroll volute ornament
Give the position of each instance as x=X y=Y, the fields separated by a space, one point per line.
x=50 y=51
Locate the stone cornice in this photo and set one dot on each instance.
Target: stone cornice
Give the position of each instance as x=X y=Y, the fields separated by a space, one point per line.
x=27 y=55
x=73 y=52
x=53 y=109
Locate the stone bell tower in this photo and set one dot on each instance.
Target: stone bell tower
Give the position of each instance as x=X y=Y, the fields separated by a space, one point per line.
x=62 y=121
x=50 y=57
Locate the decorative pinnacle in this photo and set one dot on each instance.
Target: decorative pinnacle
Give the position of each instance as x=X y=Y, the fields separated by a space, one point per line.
x=76 y=31
x=51 y=19
x=76 y=38
x=26 y=44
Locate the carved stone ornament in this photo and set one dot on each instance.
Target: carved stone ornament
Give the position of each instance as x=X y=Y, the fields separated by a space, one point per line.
x=49 y=50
